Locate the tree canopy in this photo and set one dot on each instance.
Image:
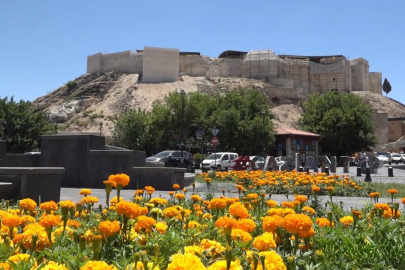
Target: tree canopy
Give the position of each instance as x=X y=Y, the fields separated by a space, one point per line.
x=20 y=126
x=386 y=86
x=343 y=120
x=240 y=116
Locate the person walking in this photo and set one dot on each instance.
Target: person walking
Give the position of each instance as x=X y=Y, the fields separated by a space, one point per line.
x=363 y=160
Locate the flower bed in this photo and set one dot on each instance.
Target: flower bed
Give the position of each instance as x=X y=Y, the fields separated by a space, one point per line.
x=200 y=231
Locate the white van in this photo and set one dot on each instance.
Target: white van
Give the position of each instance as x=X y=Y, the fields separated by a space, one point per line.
x=220 y=161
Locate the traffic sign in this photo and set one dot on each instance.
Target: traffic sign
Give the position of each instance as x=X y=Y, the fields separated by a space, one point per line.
x=214 y=141
x=215 y=131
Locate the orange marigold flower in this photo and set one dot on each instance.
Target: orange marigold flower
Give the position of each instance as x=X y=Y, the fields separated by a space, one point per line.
x=28 y=204
x=246 y=224
x=264 y=242
x=392 y=191
x=176 y=186
x=315 y=188
x=208 y=180
x=252 y=196
x=374 y=195
x=85 y=192
x=11 y=221
x=89 y=200
x=324 y=222
x=306 y=233
x=48 y=206
x=119 y=179
x=239 y=210
x=271 y=223
x=108 y=228
x=308 y=210
x=149 y=189
x=346 y=220
x=301 y=198
x=195 y=198
x=330 y=188
x=240 y=188
x=403 y=200
x=218 y=204
x=49 y=221
x=293 y=223
x=129 y=209
x=221 y=265
x=389 y=213
x=240 y=235
x=212 y=248
x=271 y=203
x=146 y=223
x=171 y=212
x=180 y=196
x=67 y=204
x=272 y=261
x=73 y=223
x=287 y=204
x=97 y=265
x=282 y=212
x=226 y=222
x=383 y=206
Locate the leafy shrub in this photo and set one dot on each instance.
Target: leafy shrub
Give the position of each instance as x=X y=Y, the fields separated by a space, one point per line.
x=71 y=84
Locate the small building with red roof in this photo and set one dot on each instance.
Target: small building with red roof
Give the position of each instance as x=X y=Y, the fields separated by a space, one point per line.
x=290 y=141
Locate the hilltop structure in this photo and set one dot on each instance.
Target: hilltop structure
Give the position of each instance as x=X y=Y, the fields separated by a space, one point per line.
x=298 y=76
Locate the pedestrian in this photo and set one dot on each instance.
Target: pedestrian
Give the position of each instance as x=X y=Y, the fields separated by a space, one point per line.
x=363 y=161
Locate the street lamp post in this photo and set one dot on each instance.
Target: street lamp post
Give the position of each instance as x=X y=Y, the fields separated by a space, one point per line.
x=264 y=136
x=182 y=94
x=101 y=126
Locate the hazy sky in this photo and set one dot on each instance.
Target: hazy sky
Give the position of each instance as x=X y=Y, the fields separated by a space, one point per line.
x=44 y=44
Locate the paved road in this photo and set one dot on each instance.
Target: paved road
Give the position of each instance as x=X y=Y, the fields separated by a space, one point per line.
x=201 y=189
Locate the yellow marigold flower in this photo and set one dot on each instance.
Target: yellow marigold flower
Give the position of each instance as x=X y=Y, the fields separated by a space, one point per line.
x=192 y=224
x=195 y=198
x=241 y=235
x=207 y=216
x=282 y=212
x=49 y=221
x=218 y=204
x=51 y=265
x=301 y=198
x=324 y=222
x=196 y=250
x=89 y=200
x=185 y=262
x=157 y=201
x=392 y=191
x=207 y=179
x=161 y=227
x=97 y=265
x=221 y=265
x=383 y=206
x=108 y=228
x=180 y=196
x=308 y=210
x=128 y=209
x=119 y=179
x=85 y=192
x=114 y=200
x=264 y=242
x=306 y=233
x=271 y=223
x=67 y=204
x=293 y=223
x=346 y=220
x=246 y=224
x=212 y=248
x=48 y=206
x=238 y=210
x=176 y=186
x=271 y=203
x=140 y=266
x=73 y=223
x=29 y=231
x=226 y=222
x=12 y=221
x=28 y=204
x=171 y=212
x=146 y=223
x=272 y=261
x=27 y=220
x=108 y=185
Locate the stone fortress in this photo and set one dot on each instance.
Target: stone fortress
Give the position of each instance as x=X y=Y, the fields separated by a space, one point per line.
x=291 y=78
x=297 y=76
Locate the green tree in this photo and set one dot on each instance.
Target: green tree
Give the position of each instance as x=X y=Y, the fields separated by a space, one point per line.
x=342 y=119
x=386 y=86
x=21 y=127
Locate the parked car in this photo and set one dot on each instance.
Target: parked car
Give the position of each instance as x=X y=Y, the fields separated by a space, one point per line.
x=403 y=158
x=258 y=161
x=394 y=158
x=172 y=158
x=383 y=158
x=219 y=161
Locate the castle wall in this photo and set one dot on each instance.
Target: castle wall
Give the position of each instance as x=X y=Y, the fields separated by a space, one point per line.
x=94 y=63
x=360 y=74
x=230 y=67
x=396 y=129
x=160 y=65
x=297 y=70
x=325 y=77
x=380 y=121
x=125 y=62
x=375 y=82
x=193 y=65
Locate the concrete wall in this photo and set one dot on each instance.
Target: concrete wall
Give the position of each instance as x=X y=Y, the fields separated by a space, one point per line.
x=375 y=82
x=230 y=67
x=396 y=129
x=160 y=65
x=380 y=121
x=125 y=62
x=325 y=77
x=360 y=74
x=193 y=65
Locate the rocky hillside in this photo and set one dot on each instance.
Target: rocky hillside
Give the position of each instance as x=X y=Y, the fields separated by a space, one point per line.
x=80 y=105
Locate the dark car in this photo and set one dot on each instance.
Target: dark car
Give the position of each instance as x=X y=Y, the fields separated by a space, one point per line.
x=171 y=158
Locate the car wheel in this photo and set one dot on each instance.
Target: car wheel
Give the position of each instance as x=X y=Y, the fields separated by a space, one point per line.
x=397 y=163
x=219 y=168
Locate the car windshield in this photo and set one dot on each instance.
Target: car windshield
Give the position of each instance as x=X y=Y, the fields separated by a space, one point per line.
x=162 y=154
x=214 y=156
x=395 y=155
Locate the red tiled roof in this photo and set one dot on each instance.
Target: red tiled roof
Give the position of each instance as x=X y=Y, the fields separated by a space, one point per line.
x=290 y=131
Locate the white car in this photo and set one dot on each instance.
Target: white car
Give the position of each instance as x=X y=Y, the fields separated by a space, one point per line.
x=383 y=158
x=259 y=161
x=395 y=158
x=219 y=161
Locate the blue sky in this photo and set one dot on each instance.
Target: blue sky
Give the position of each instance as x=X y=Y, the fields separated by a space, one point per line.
x=44 y=44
